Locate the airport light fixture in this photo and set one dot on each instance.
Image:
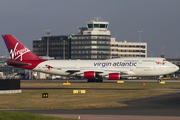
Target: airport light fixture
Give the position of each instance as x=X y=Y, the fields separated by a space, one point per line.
x=139 y=41
x=48 y=34
x=163 y=50
x=64 y=41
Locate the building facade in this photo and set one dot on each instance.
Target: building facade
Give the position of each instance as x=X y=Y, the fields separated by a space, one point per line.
x=59 y=47
x=90 y=47
x=92 y=42
x=128 y=49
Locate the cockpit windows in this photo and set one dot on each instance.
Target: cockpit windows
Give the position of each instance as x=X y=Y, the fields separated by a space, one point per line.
x=97 y=25
x=164 y=60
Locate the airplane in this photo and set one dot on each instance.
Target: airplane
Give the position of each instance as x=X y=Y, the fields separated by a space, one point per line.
x=93 y=70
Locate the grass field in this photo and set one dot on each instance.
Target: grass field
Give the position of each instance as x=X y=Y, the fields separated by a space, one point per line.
x=66 y=99
x=5 y=115
x=100 y=85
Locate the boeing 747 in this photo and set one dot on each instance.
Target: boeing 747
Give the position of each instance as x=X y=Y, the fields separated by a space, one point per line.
x=93 y=70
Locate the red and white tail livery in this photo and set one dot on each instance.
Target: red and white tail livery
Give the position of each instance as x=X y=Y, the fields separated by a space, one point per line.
x=21 y=56
x=17 y=50
x=93 y=70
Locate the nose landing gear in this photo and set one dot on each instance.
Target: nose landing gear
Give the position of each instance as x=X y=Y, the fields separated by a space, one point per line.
x=159 y=79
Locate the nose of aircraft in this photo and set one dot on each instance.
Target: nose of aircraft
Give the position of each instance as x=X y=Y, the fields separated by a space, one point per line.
x=172 y=67
x=177 y=68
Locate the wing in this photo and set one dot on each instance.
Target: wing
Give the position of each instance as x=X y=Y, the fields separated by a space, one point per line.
x=93 y=72
x=80 y=72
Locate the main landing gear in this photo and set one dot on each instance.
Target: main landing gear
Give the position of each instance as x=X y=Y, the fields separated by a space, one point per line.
x=97 y=79
x=159 y=79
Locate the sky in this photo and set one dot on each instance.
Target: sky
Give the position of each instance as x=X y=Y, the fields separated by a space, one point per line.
x=159 y=20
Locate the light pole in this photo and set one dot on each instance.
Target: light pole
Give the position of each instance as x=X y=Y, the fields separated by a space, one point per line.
x=163 y=50
x=6 y=53
x=39 y=49
x=176 y=55
x=151 y=54
x=139 y=41
x=163 y=56
x=64 y=49
x=48 y=33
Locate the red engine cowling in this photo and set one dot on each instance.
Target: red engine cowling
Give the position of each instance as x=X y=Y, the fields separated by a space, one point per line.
x=89 y=74
x=114 y=76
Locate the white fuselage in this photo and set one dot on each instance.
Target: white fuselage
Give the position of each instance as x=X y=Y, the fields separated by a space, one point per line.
x=125 y=66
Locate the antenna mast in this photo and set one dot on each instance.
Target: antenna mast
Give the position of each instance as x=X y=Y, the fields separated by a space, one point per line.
x=97 y=18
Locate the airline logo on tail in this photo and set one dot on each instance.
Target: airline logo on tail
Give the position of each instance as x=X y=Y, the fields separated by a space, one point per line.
x=15 y=53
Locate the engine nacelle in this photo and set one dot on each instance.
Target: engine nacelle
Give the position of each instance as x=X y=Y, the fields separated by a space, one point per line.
x=114 y=76
x=89 y=74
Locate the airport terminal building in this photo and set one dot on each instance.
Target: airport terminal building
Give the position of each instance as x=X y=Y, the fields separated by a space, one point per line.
x=59 y=47
x=92 y=42
x=128 y=49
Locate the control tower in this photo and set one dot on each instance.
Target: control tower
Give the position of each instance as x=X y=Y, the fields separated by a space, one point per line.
x=92 y=42
x=97 y=27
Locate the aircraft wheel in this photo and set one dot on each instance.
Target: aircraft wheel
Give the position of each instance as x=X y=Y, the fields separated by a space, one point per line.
x=159 y=80
x=91 y=80
x=99 y=79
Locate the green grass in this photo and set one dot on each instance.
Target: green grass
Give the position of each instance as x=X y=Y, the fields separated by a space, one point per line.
x=93 y=98
x=5 y=115
x=66 y=99
x=101 y=85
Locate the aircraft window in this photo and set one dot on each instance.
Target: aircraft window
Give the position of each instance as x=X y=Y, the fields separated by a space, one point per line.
x=102 y=25
x=148 y=60
x=131 y=60
x=96 y=25
x=90 y=25
x=142 y=67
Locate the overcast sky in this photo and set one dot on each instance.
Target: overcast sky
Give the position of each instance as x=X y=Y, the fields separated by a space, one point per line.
x=158 y=19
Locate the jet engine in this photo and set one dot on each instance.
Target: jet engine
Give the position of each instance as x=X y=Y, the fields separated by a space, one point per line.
x=114 y=76
x=89 y=74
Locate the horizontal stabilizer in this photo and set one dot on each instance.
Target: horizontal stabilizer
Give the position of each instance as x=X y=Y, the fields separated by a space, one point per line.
x=17 y=63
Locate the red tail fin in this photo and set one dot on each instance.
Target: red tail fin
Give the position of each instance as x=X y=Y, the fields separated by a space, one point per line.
x=17 y=50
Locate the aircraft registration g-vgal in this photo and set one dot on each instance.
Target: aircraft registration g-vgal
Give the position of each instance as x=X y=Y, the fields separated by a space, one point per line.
x=93 y=70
